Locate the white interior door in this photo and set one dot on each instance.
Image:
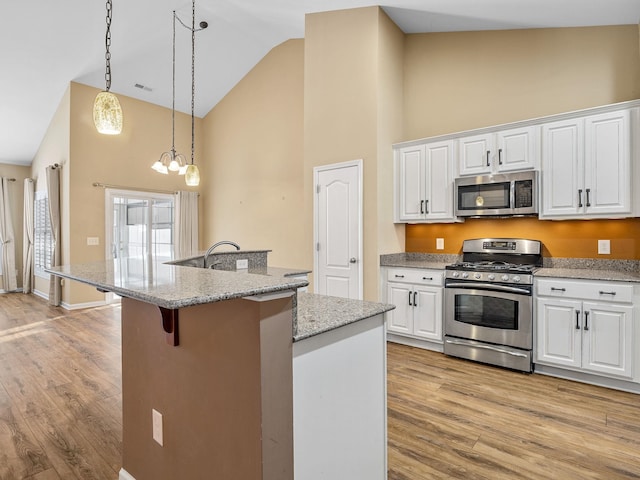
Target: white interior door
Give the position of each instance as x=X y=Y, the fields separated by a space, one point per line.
x=338 y=230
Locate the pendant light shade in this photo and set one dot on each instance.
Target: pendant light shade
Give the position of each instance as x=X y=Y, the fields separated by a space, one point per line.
x=192 y=177
x=107 y=114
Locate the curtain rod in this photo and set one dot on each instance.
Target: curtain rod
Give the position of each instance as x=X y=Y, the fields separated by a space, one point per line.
x=134 y=189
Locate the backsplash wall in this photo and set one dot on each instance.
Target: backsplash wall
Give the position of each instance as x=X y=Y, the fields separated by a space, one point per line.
x=564 y=239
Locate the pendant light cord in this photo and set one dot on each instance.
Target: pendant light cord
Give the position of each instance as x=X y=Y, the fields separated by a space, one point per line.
x=193 y=76
x=173 y=91
x=107 y=41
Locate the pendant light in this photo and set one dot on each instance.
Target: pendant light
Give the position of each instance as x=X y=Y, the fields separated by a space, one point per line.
x=170 y=161
x=192 y=175
x=107 y=114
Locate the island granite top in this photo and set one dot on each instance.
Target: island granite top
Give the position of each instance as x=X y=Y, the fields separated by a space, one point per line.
x=171 y=286
x=321 y=313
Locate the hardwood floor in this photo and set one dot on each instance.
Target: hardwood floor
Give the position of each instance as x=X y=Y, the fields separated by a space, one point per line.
x=451 y=418
x=60 y=409
x=60 y=397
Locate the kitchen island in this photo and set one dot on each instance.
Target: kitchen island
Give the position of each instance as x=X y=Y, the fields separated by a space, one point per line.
x=213 y=353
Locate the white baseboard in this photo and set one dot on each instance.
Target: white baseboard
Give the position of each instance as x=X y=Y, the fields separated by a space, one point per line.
x=80 y=306
x=124 y=475
x=71 y=306
x=41 y=294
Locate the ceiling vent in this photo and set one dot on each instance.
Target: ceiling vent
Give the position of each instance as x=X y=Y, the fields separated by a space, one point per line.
x=142 y=87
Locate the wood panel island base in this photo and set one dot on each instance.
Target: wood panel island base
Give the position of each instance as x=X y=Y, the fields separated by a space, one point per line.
x=225 y=388
x=217 y=366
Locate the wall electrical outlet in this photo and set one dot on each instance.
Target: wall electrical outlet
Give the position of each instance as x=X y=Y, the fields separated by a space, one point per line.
x=93 y=241
x=244 y=263
x=439 y=243
x=604 y=247
x=156 y=417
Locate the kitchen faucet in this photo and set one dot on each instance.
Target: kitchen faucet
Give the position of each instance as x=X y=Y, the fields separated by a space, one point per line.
x=214 y=246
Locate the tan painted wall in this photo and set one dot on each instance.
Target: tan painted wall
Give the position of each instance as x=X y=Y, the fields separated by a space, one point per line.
x=460 y=81
x=253 y=144
x=391 y=44
x=346 y=96
x=54 y=148
x=124 y=160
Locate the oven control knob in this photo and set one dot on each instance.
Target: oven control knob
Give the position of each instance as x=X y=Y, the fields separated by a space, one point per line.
x=455 y=274
x=465 y=275
x=516 y=278
x=491 y=276
x=504 y=278
x=477 y=276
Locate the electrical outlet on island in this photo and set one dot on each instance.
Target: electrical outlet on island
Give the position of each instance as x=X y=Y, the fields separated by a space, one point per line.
x=439 y=243
x=244 y=263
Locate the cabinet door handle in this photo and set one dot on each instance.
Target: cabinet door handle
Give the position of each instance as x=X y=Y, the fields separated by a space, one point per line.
x=422 y=207
x=426 y=203
x=410 y=299
x=399 y=276
x=499 y=156
x=580 y=198
x=586 y=321
x=606 y=293
x=488 y=162
x=577 y=319
x=415 y=299
x=555 y=289
x=588 y=201
x=431 y=278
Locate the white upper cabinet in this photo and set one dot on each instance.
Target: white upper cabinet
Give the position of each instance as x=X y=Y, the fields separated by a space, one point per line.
x=424 y=183
x=502 y=151
x=586 y=167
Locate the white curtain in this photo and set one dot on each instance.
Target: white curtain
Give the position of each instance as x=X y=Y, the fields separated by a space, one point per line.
x=53 y=192
x=186 y=224
x=27 y=237
x=9 y=279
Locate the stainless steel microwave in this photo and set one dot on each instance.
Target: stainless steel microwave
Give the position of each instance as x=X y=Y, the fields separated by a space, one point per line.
x=507 y=194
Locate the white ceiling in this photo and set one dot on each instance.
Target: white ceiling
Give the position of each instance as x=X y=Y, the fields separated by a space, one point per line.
x=46 y=44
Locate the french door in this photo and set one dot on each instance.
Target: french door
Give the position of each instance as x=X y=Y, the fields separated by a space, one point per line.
x=139 y=231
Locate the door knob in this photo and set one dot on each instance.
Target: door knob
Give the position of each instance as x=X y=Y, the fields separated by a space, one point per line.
x=353 y=260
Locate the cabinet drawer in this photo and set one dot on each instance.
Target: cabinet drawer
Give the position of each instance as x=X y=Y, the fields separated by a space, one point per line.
x=415 y=276
x=595 y=291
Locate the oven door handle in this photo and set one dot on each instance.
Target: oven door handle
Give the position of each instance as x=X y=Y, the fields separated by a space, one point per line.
x=491 y=286
x=487 y=347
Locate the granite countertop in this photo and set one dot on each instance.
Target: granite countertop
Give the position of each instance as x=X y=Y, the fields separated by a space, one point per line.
x=588 y=274
x=321 y=313
x=172 y=286
x=433 y=261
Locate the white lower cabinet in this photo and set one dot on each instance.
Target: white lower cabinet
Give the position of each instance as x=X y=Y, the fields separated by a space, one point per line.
x=417 y=295
x=592 y=336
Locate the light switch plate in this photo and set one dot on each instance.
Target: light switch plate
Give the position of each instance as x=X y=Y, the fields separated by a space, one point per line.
x=93 y=241
x=604 y=247
x=439 y=243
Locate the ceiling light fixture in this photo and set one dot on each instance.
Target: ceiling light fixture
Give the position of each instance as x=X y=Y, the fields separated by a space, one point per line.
x=172 y=161
x=107 y=114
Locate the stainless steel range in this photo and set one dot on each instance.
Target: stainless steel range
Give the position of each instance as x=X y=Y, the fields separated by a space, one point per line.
x=488 y=302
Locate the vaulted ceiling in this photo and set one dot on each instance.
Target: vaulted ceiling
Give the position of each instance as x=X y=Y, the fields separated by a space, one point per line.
x=44 y=45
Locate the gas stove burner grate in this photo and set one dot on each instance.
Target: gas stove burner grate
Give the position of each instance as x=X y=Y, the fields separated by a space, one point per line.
x=491 y=266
